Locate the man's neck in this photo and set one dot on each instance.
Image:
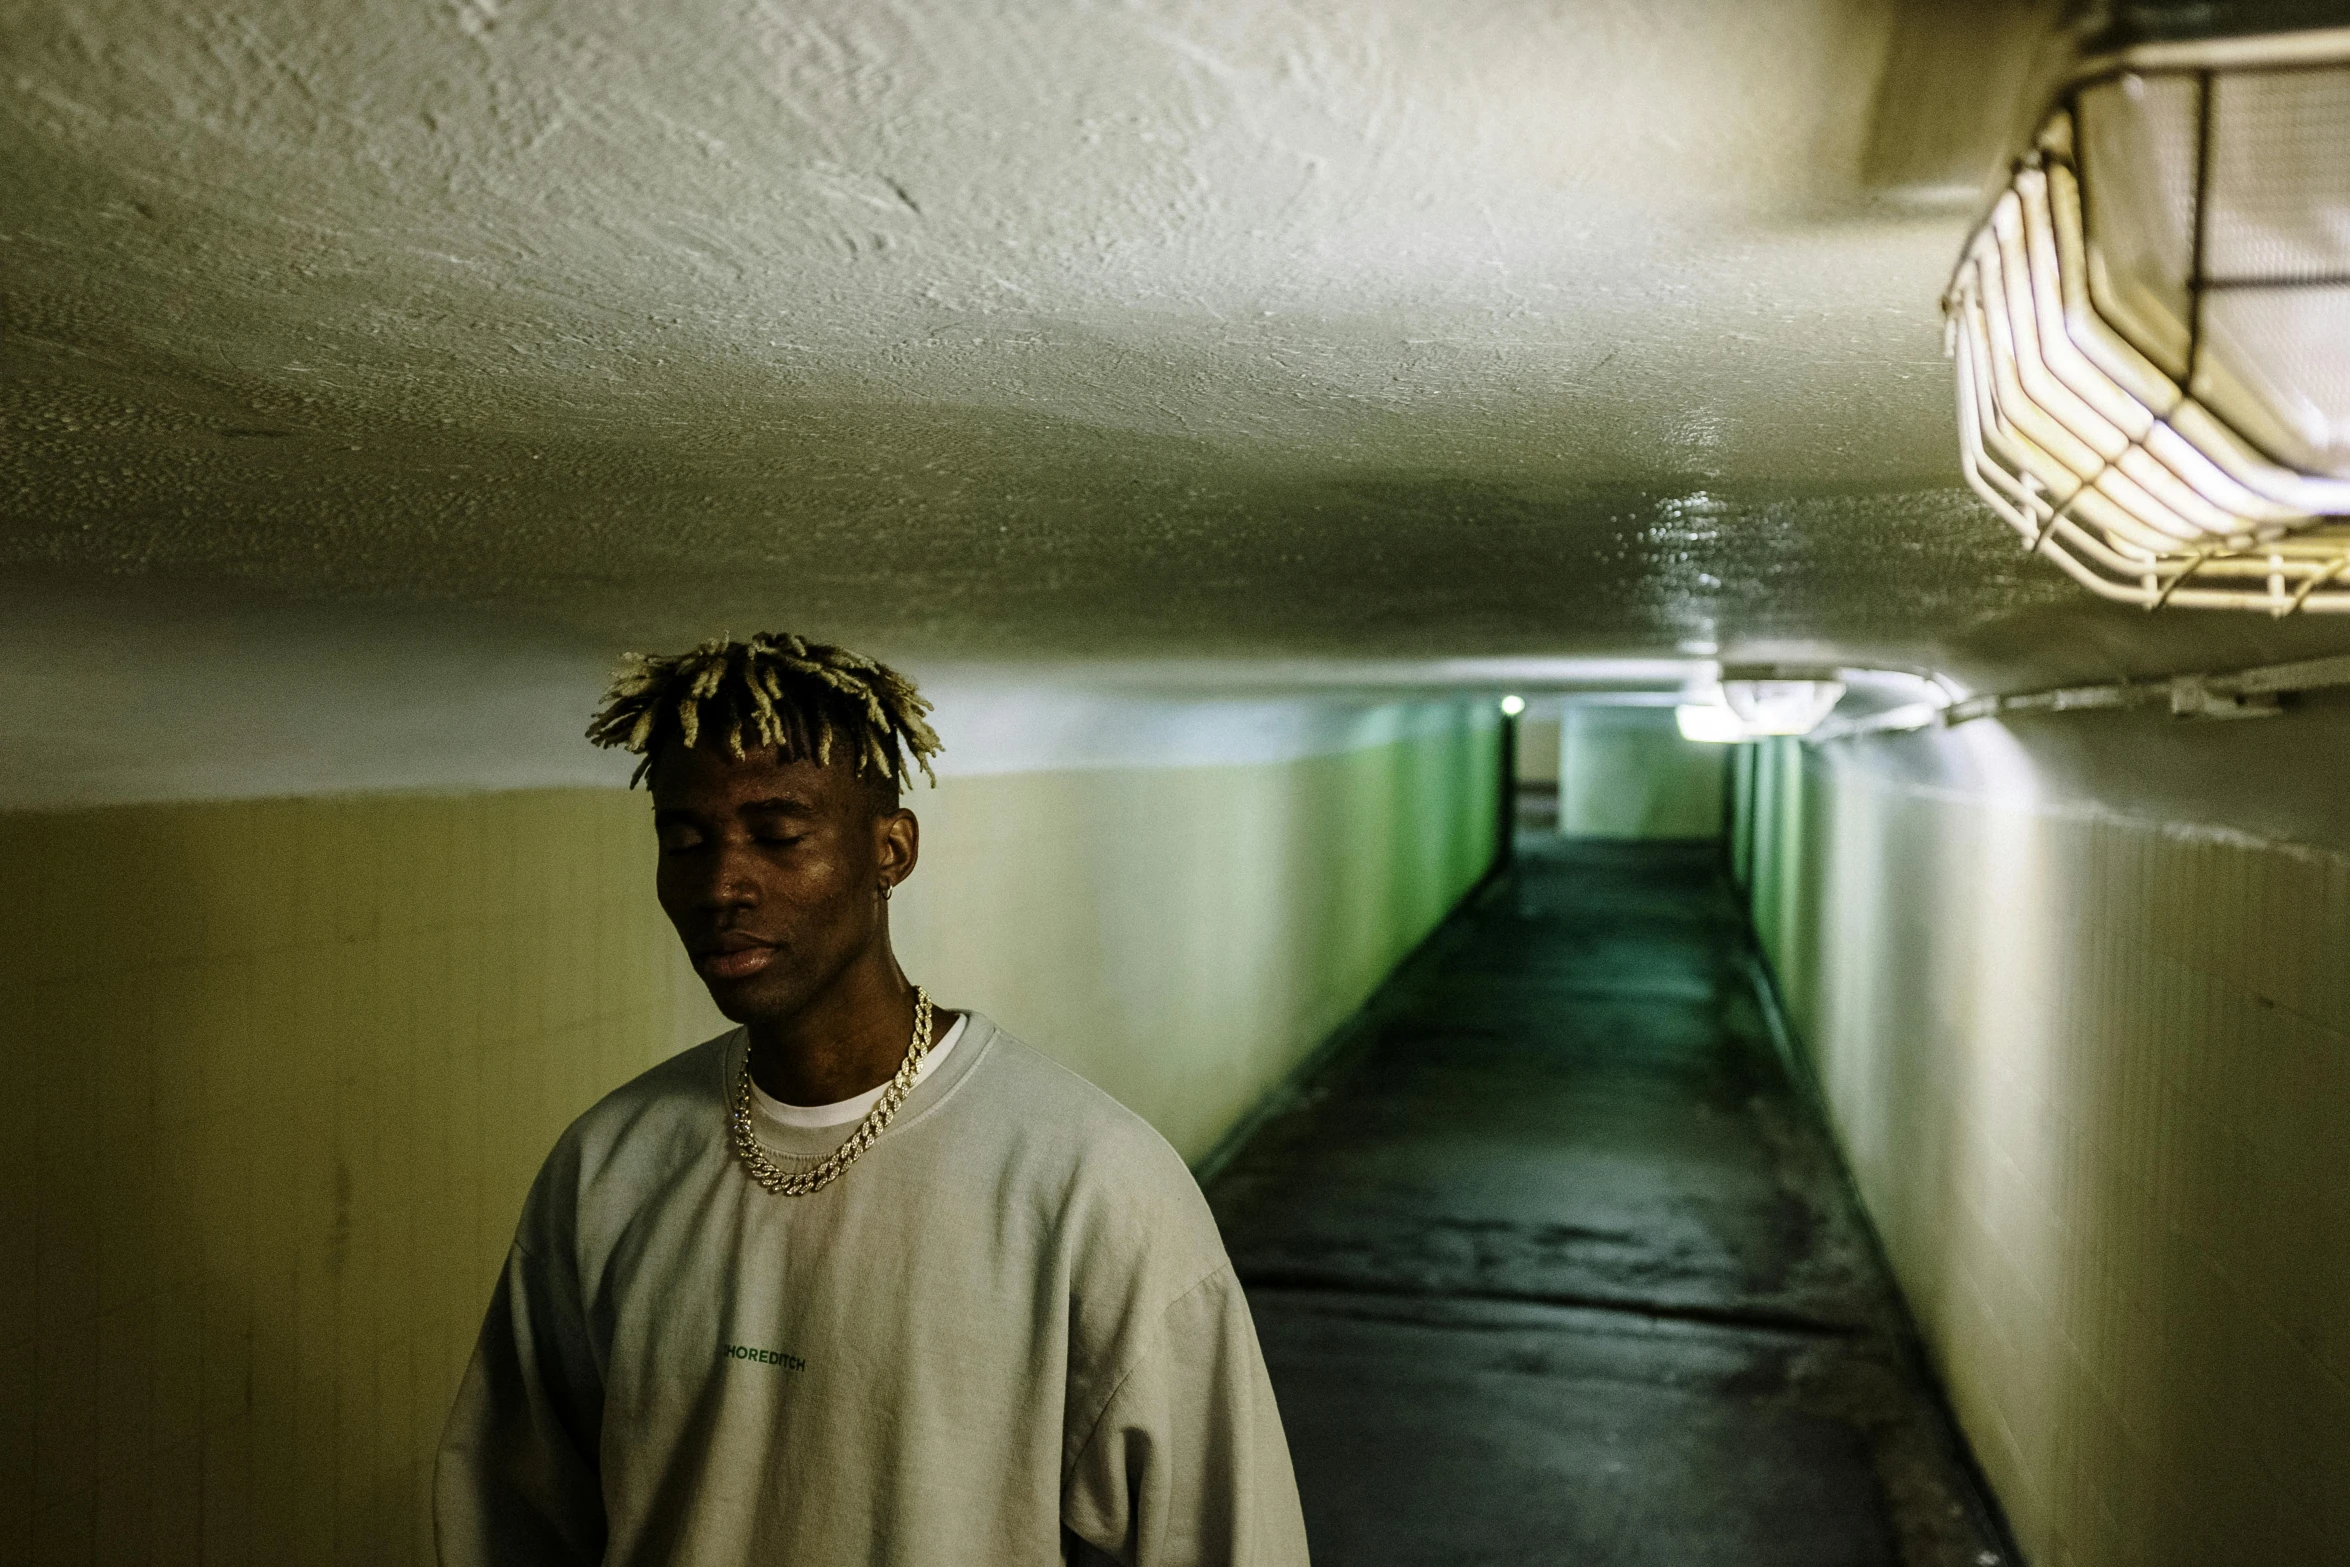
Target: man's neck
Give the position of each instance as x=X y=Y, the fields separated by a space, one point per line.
x=845 y=1042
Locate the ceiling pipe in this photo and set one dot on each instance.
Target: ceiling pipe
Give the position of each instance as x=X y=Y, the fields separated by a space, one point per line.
x=2245 y=693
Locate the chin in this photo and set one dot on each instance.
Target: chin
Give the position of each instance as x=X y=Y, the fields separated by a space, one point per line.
x=753 y=1004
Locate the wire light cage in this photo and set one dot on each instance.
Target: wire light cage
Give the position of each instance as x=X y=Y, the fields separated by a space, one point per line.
x=2152 y=328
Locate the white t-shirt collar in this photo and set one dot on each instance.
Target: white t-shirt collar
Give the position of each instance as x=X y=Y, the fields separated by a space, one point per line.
x=844 y=1111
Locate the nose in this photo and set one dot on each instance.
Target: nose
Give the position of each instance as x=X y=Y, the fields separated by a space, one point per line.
x=726 y=878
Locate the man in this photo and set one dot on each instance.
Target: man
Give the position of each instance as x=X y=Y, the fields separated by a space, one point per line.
x=859 y=1281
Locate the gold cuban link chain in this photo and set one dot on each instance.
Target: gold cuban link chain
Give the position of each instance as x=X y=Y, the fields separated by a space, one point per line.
x=800 y=1183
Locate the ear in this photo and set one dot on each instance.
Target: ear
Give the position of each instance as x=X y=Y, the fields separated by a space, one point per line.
x=897 y=846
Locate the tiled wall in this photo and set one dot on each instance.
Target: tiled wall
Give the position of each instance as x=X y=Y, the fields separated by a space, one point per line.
x=279 y=1073
x=2092 y=1075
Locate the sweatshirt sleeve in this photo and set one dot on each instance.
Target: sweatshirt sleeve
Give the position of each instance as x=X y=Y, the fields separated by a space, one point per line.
x=1187 y=1466
x=516 y=1483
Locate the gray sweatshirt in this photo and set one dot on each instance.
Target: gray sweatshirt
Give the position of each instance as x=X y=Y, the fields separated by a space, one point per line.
x=1007 y=1334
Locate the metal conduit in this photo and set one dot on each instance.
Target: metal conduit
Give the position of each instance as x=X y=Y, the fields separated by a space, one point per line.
x=2243 y=693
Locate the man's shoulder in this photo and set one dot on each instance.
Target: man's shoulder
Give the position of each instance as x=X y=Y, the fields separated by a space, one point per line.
x=666 y=1110
x=1084 y=1151
x=1123 y=1212
x=1078 y=1113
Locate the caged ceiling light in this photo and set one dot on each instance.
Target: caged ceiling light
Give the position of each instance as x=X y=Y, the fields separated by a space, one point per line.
x=2152 y=328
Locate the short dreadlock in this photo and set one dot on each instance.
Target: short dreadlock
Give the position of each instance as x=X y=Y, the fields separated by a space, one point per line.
x=776 y=689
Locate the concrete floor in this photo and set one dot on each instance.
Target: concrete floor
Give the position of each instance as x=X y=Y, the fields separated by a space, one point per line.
x=1553 y=1265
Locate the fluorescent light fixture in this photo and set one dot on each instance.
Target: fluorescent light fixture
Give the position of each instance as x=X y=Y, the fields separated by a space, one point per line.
x=1756 y=703
x=1774 y=706
x=2152 y=328
x=1709 y=723
x=1513 y=705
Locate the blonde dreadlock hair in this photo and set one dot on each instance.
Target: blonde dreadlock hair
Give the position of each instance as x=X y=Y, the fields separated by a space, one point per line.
x=803 y=698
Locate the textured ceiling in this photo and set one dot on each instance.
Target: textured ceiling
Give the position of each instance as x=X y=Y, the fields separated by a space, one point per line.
x=988 y=330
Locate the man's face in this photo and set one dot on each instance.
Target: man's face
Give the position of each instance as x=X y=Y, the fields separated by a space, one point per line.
x=772 y=873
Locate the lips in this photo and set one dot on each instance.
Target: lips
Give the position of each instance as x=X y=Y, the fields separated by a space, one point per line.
x=732 y=957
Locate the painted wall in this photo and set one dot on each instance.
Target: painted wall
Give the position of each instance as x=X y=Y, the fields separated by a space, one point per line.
x=1625 y=772
x=1184 y=935
x=281 y=1071
x=1540 y=743
x=2075 y=1001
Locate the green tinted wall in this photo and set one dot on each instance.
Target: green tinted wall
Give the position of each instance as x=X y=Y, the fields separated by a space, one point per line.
x=2091 y=1073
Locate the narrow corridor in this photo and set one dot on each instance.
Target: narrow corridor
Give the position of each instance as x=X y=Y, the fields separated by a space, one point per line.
x=1552 y=1263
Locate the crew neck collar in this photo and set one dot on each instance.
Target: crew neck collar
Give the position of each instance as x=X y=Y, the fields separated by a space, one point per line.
x=972 y=1036
x=849 y=1111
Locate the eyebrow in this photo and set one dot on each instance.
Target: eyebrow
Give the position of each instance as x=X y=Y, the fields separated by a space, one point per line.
x=785 y=805
x=771 y=805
